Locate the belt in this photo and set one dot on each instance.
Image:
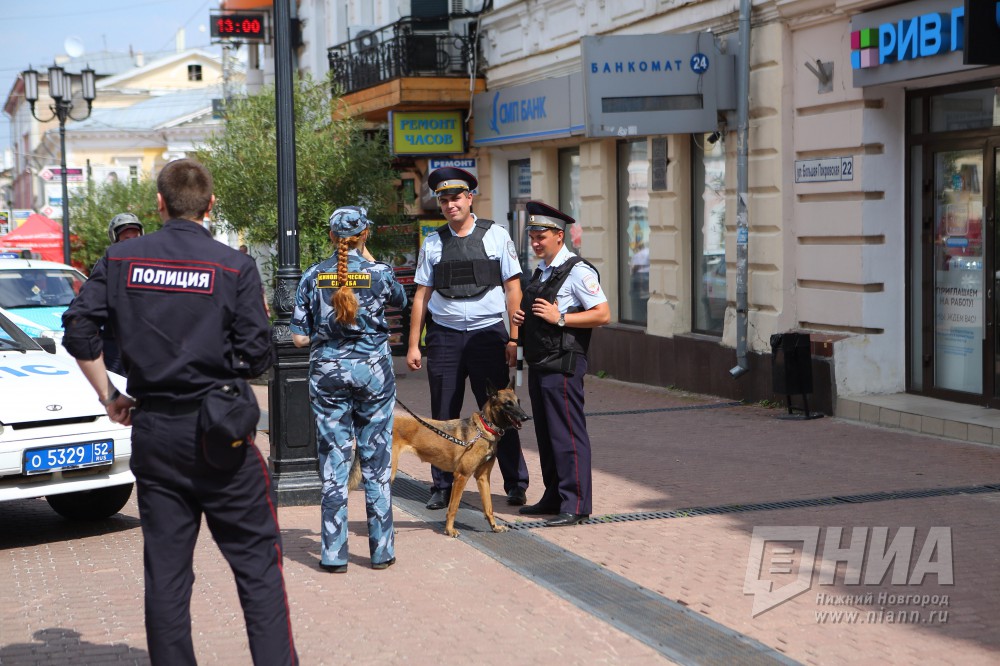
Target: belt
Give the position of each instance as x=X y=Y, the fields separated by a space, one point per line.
x=168 y=405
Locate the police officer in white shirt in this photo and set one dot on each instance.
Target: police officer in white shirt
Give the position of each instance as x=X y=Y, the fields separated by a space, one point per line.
x=563 y=303
x=467 y=276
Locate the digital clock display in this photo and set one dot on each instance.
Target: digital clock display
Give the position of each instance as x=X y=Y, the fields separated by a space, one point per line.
x=250 y=26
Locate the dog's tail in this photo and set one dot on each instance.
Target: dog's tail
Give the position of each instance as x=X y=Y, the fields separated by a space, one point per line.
x=354 y=480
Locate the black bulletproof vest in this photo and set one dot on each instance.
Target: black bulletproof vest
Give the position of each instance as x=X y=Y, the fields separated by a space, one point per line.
x=465 y=270
x=544 y=341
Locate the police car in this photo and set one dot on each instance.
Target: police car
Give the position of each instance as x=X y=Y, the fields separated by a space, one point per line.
x=56 y=440
x=35 y=294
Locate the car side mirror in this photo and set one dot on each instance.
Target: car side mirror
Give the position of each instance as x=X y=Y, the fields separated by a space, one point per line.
x=48 y=344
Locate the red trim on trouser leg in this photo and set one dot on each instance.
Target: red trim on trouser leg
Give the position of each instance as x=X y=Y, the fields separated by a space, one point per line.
x=281 y=569
x=572 y=438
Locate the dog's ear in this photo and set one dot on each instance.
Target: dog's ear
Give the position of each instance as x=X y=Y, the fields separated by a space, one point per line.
x=513 y=384
x=491 y=390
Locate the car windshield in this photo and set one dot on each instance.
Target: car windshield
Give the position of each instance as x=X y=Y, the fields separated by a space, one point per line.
x=12 y=337
x=39 y=287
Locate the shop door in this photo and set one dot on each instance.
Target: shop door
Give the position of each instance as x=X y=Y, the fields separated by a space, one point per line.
x=962 y=351
x=519 y=177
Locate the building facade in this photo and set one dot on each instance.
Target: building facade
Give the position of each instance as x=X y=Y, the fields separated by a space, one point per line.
x=872 y=175
x=868 y=212
x=150 y=109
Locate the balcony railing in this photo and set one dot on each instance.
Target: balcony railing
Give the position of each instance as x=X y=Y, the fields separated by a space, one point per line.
x=408 y=47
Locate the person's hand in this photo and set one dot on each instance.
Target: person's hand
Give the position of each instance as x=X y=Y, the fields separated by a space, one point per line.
x=547 y=311
x=517 y=318
x=120 y=410
x=413 y=360
x=510 y=351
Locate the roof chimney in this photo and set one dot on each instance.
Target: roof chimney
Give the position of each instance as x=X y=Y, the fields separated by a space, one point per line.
x=180 y=40
x=140 y=59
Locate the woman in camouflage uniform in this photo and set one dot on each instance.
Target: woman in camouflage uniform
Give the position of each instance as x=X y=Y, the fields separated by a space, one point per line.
x=340 y=313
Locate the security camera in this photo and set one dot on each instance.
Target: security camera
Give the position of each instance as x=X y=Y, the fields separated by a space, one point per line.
x=714 y=137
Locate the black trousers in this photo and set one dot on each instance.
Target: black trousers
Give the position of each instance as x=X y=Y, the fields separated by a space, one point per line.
x=454 y=356
x=175 y=487
x=563 y=442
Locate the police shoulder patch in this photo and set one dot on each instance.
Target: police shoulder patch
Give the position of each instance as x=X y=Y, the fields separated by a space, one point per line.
x=591 y=284
x=511 y=249
x=420 y=258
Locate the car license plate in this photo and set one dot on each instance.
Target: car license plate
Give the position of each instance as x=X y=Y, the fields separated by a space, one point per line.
x=69 y=456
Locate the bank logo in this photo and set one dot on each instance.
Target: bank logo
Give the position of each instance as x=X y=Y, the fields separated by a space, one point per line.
x=782 y=560
x=864 y=48
x=513 y=112
x=493 y=118
x=927 y=35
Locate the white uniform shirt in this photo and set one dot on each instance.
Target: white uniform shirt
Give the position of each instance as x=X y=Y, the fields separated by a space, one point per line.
x=582 y=289
x=469 y=314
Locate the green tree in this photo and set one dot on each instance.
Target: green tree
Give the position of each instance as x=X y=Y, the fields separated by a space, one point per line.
x=336 y=165
x=91 y=210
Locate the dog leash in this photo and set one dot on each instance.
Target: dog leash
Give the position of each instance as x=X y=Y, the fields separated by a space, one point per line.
x=497 y=430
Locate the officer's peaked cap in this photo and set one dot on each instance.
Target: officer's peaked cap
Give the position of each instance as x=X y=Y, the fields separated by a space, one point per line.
x=349 y=221
x=451 y=180
x=542 y=216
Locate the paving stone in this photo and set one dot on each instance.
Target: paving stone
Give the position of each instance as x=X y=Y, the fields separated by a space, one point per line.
x=81 y=585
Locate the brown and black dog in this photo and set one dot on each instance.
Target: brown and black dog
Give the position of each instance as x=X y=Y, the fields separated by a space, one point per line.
x=479 y=432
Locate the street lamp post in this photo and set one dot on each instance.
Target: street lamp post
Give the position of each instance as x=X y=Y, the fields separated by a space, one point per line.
x=292 y=430
x=61 y=92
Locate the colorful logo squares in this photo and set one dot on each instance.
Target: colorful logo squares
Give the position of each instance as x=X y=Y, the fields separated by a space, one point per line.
x=864 y=48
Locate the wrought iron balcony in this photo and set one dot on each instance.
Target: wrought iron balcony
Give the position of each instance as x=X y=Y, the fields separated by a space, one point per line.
x=408 y=47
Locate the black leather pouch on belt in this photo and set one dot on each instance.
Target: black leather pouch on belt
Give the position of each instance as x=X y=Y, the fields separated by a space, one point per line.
x=564 y=362
x=227 y=421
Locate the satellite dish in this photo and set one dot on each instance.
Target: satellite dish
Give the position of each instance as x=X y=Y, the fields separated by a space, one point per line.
x=73 y=46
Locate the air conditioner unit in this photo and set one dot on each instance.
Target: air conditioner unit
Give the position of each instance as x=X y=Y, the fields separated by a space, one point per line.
x=461 y=26
x=363 y=37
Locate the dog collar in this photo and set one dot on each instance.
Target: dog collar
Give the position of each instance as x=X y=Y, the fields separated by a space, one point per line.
x=494 y=430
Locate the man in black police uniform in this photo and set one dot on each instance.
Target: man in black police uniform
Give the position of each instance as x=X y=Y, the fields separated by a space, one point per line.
x=563 y=302
x=189 y=318
x=467 y=276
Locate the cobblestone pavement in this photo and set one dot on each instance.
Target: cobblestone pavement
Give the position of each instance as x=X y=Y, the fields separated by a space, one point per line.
x=695 y=481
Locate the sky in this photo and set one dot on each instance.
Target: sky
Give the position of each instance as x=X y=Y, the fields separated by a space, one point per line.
x=35 y=32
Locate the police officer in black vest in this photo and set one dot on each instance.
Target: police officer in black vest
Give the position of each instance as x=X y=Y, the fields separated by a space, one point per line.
x=563 y=302
x=189 y=318
x=467 y=276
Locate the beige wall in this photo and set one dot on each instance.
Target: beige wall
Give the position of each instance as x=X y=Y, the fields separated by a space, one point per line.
x=174 y=75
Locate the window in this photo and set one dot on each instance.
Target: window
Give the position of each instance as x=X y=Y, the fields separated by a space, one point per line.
x=194 y=72
x=633 y=231
x=708 y=247
x=965 y=110
x=569 y=194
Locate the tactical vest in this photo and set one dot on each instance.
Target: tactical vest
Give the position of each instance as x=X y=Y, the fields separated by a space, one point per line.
x=465 y=270
x=547 y=344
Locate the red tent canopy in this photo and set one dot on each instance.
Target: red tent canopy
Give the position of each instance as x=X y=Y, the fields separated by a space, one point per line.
x=40 y=234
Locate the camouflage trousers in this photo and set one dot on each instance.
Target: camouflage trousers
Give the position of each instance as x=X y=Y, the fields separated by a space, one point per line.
x=353 y=400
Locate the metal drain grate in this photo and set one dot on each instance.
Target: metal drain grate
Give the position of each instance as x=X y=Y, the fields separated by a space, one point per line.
x=264 y=423
x=678 y=633
x=774 y=506
x=686 y=408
